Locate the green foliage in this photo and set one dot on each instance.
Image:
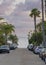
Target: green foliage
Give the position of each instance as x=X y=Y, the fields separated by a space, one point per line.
x=6 y=28
x=35 y=12
x=2 y=39
x=1 y=18
x=5 y=31
x=38 y=38
x=13 y=38
x=39 y=27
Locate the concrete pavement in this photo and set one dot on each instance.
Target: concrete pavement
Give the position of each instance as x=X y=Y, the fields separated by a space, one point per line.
x=20 y=57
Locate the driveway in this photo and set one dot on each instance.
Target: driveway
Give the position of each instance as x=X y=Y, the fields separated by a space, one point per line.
x=20 y=57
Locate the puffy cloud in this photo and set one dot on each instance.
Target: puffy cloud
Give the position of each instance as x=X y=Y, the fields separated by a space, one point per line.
x=10 y=6
x=13 y=6
x=10 y=9
x=19 y=1
x=1 y=1
x=29 y=5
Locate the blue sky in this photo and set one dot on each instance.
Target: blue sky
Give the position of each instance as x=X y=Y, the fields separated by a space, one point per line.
x=17 y=13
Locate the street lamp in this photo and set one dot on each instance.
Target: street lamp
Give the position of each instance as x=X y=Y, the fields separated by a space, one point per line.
x=43 y=29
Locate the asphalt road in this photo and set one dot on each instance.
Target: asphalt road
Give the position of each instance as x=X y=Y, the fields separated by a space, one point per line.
x=20 y=57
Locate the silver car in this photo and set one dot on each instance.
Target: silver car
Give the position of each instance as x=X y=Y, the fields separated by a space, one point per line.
x=38 y=49
x=30 y=46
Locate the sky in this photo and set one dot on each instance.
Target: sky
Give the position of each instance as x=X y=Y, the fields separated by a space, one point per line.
x=17 y=13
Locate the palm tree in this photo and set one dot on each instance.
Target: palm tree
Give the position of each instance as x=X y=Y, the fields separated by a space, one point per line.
x=7 y=29
x=13 y=38
x=2 y=39
x=35 y=13
x=39 y=27
x=43 y=29
x=1 y=18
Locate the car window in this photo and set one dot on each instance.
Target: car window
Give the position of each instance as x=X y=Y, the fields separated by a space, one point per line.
x=4 y=46
x=40 y=47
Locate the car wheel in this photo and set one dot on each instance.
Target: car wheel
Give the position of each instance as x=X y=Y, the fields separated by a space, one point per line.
x=8 y=52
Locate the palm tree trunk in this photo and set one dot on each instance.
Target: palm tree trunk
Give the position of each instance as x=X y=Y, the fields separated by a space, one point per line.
x=5 y=39
x=35 y=23
x=43 y=29
x=35 y=26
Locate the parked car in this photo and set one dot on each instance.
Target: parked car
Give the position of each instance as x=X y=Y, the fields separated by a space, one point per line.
x=30 y=47
x=43 y=55
x=34 y=47
x=13 y=46
x=4 y=48
x=38 y=49
x=42 y=52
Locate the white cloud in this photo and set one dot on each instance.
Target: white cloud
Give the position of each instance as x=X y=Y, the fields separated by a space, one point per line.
x=20 y=1
x=34 y=0
x=1 y=1
x=10 y=9
x=13 y=6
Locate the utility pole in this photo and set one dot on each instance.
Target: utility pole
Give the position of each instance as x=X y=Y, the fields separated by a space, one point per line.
x=45 y=8
x=43 y=29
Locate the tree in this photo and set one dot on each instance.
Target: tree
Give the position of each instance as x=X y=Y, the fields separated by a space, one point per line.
x=13 y=38
x=6 y=29
x=1 y=18
x=2 y=39
x=39 y=27
x=35 y=13
x=38 y=40
x=39 y=36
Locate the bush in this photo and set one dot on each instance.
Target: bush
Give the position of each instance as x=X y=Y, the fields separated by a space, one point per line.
x=36 y=39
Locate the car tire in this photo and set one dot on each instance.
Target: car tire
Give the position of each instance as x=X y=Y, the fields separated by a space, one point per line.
x=8 y=52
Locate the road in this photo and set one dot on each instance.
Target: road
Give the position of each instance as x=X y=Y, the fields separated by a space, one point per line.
x=20 y=57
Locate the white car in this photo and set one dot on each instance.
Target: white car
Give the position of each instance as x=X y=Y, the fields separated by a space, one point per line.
x=38 y=49
x=42 y=52
x=30 y=46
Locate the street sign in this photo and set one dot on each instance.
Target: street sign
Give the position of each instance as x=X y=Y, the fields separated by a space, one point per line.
x=45 y=8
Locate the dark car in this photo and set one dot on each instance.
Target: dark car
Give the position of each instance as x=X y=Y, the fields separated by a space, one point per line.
x=4 y=48
x=13 y=46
